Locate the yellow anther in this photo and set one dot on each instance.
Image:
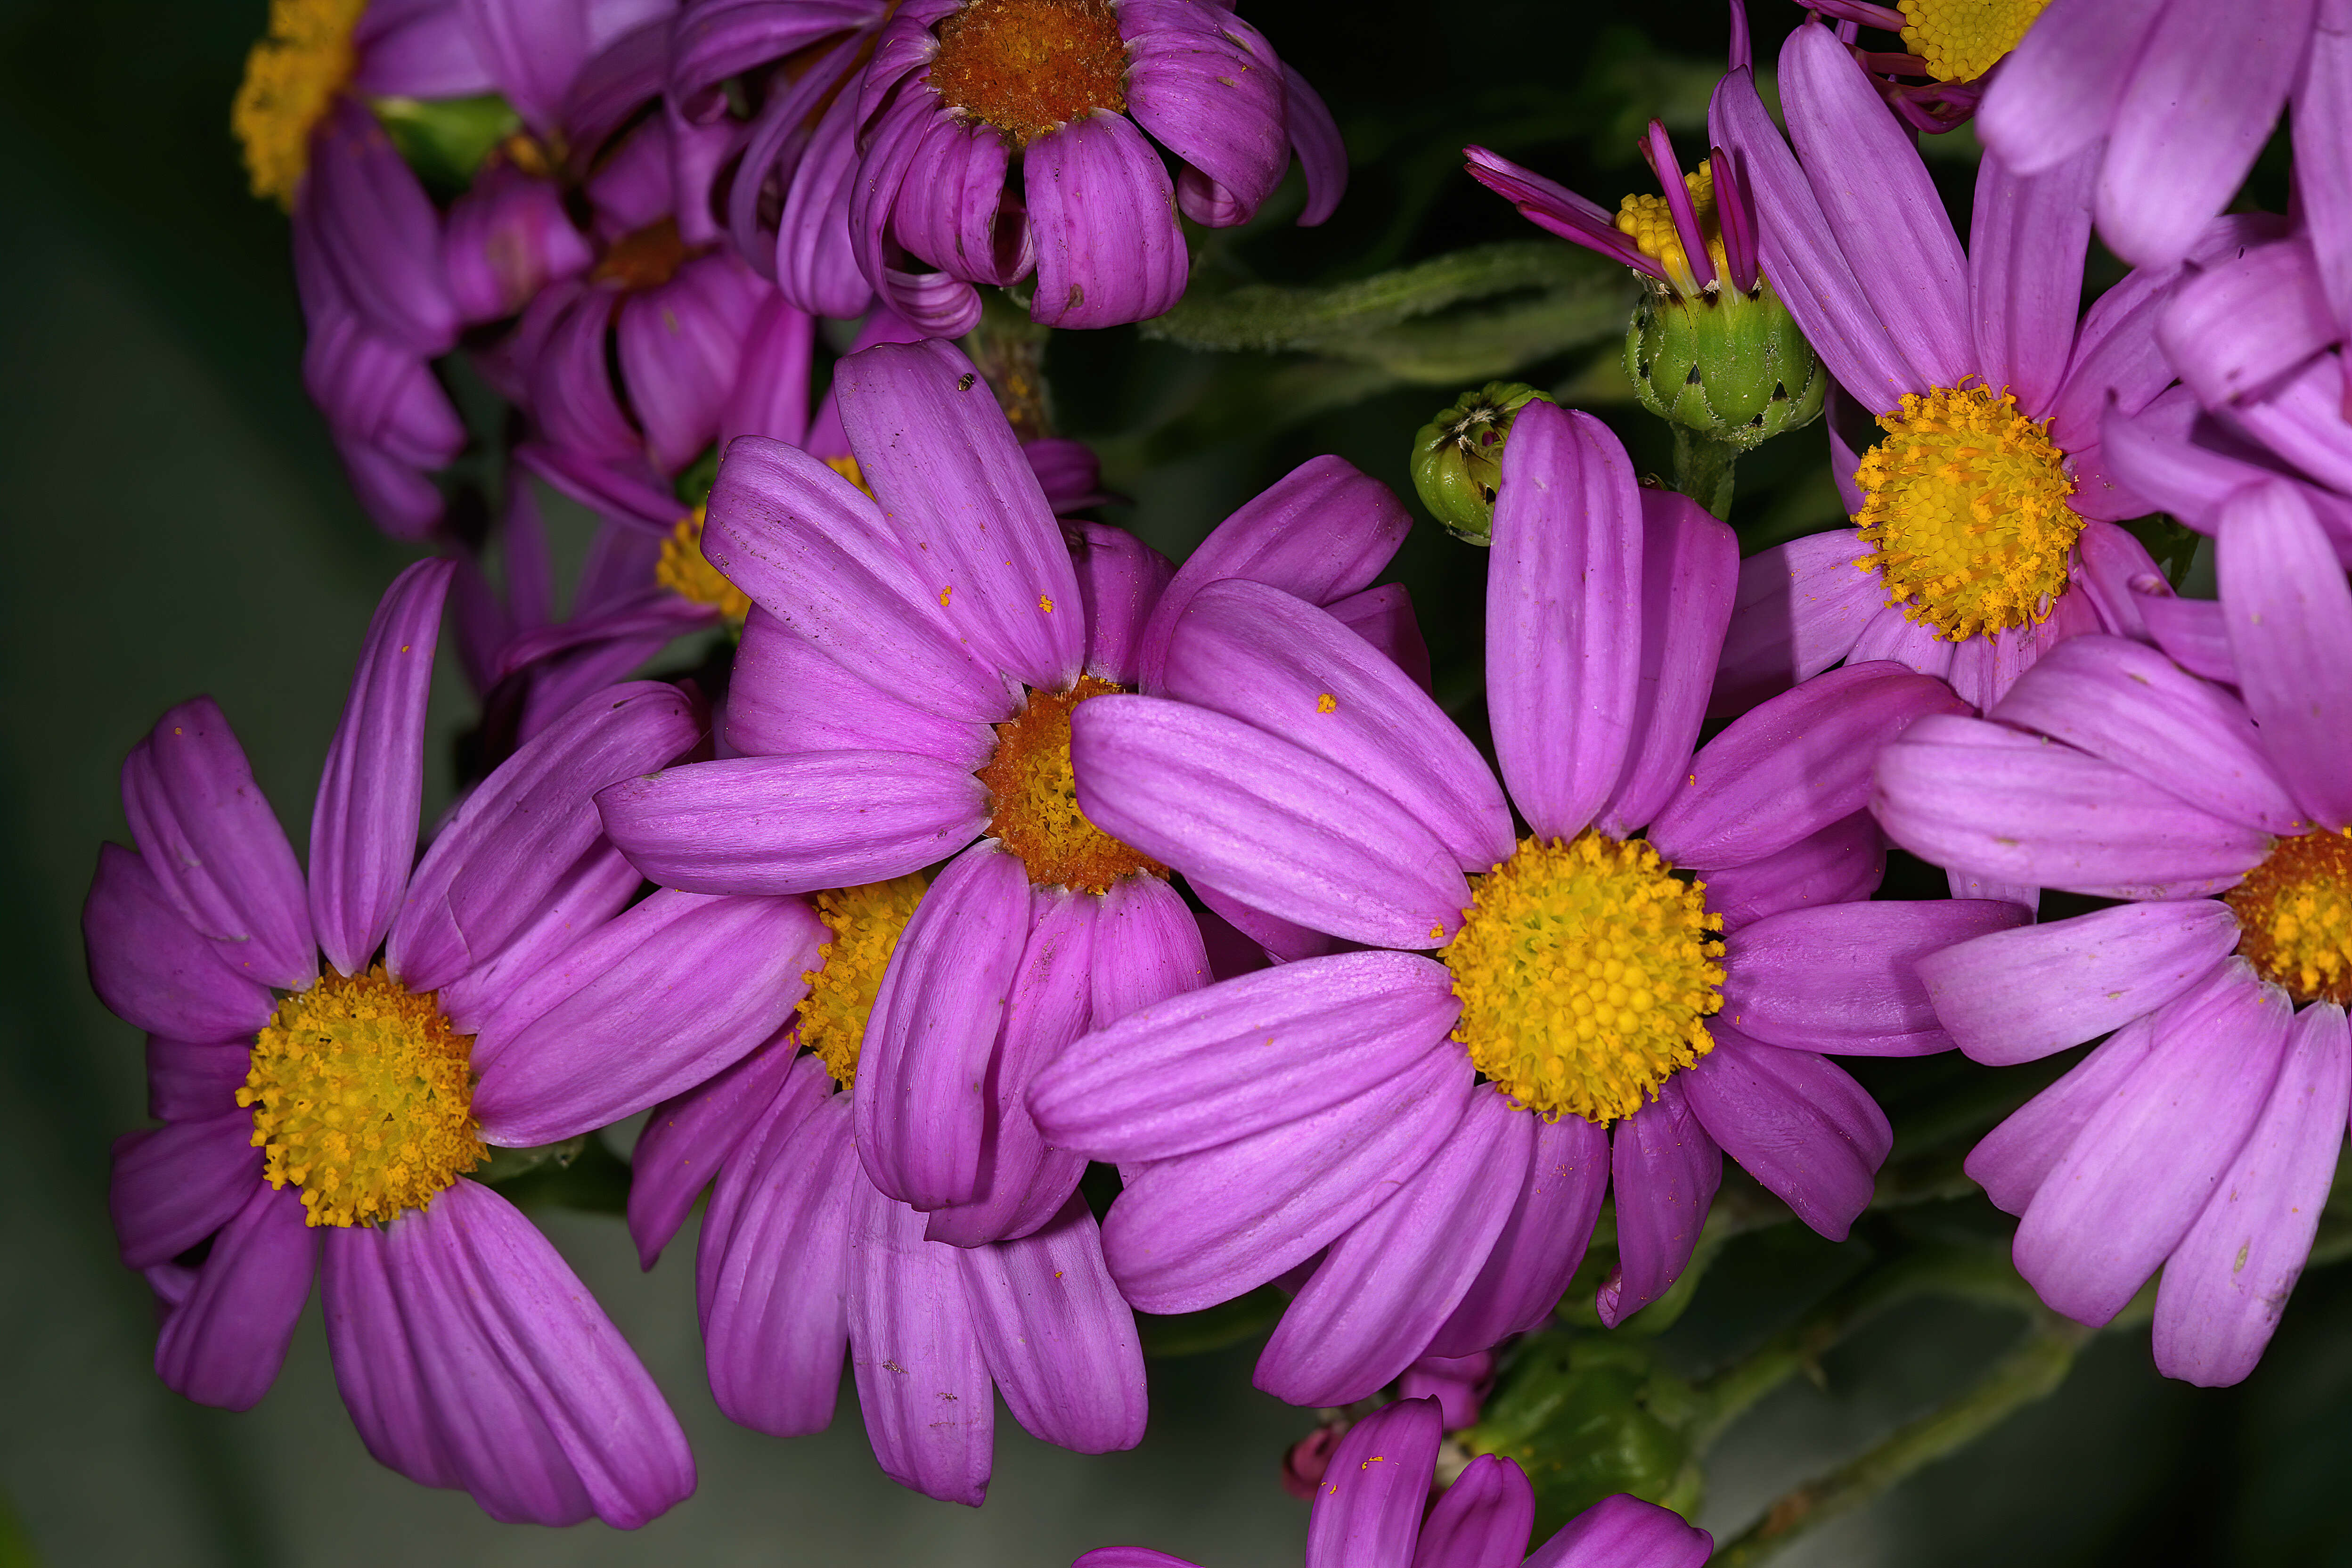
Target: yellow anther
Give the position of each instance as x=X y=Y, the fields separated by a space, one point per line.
x=1962 y=40
x=2295 y=917
x=1586 y=972
x=866 y=924
x=1034 y=796
x=1649 y=223
x=687 y=572
x=1967 y=509
x=362 y=1095
x=291 y=77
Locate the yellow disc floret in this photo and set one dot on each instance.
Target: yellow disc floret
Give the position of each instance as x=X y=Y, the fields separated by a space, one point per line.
x=363 y=1096
x=1034 y=797
x=1026 y=65
x=290 y=78
x=1586 y=972
x=687 y=572
x=1962 y=40
x=866 y=924
x=1967 y=509
x=1649 y=223
x=2295 y=917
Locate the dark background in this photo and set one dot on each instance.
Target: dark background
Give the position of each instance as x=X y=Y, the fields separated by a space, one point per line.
x=176 y=523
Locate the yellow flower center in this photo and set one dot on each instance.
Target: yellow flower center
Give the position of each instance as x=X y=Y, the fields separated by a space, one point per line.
x=1962 y=40
x=363 y=1096
x=2295 y=917
x=1649 y=223
x=1034 y=797
x=1586 y=972
x=866 y=924
x=1026 y=65
x=1968 y=511
x=291 y=77
x=687 y=572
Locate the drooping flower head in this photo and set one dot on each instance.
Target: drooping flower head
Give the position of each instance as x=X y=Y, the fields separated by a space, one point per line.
x=1950 y=49
x=1983 y=513
x=2171 y=101
x=886 y=147
x=2202 y=1136
x=902 y=697
x=1532 y=1016
x=801 y=1256
x=325 y=1119
x=1373 y=1507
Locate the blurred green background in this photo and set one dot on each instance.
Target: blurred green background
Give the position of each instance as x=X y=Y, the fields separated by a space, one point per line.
x=176 y=523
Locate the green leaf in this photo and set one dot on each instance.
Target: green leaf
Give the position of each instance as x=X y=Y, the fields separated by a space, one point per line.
x=445 y=140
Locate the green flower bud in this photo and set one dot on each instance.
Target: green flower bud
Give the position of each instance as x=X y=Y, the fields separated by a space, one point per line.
x=1586 y=1415
x=1457 y=457
x=1728 y=364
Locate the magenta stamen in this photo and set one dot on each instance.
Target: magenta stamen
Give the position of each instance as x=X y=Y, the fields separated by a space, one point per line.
x=1660 y=151
x=1735 y=215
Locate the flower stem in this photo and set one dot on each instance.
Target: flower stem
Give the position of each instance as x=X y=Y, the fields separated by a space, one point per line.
x=2033 y=1369
x=1703 y=467
x=1009 y=351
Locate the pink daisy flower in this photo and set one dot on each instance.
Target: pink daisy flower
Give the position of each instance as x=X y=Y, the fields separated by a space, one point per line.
x=1984 y=513
x=318 y=1123
x=2202 y=1136
x=1420 y=1139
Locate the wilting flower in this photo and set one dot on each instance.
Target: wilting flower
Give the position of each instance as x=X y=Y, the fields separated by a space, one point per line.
x=903 y=696
x=2202 y=1136
x=324 y=1120
x=1985 y=513
x=885 y=148
x=1950 y=49
x=2171 y=100
x=801 y=1255
x=1431 y=1116
x=1372 y=1506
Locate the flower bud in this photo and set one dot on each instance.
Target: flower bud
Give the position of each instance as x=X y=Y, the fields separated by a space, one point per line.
x=1457 y=457
x=1728 y=364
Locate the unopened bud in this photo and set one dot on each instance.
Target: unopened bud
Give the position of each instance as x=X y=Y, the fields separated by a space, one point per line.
x=1730 y=364
x=1457 y=457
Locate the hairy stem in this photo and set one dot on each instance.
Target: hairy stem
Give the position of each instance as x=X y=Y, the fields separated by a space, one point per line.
x=1703 y=469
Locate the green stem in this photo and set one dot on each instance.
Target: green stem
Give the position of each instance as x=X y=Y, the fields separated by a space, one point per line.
x=1949 y=1271
x=2031 y=1370
x=1703 y=467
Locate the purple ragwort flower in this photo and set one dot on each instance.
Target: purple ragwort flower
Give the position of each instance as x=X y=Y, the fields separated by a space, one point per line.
x=1985 y=513
x=1328 y=1115
x=902 y=697
x=884 y=136
x=2171 y=101
x=324 y=1120
x=1949 y=52
x=801 y=1255
x=377 y=293
x=1373 y=1509
x=2202 y=1136
x=639 y=590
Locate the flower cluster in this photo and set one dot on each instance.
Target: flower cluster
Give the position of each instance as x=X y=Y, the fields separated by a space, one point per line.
x=1011 y=850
